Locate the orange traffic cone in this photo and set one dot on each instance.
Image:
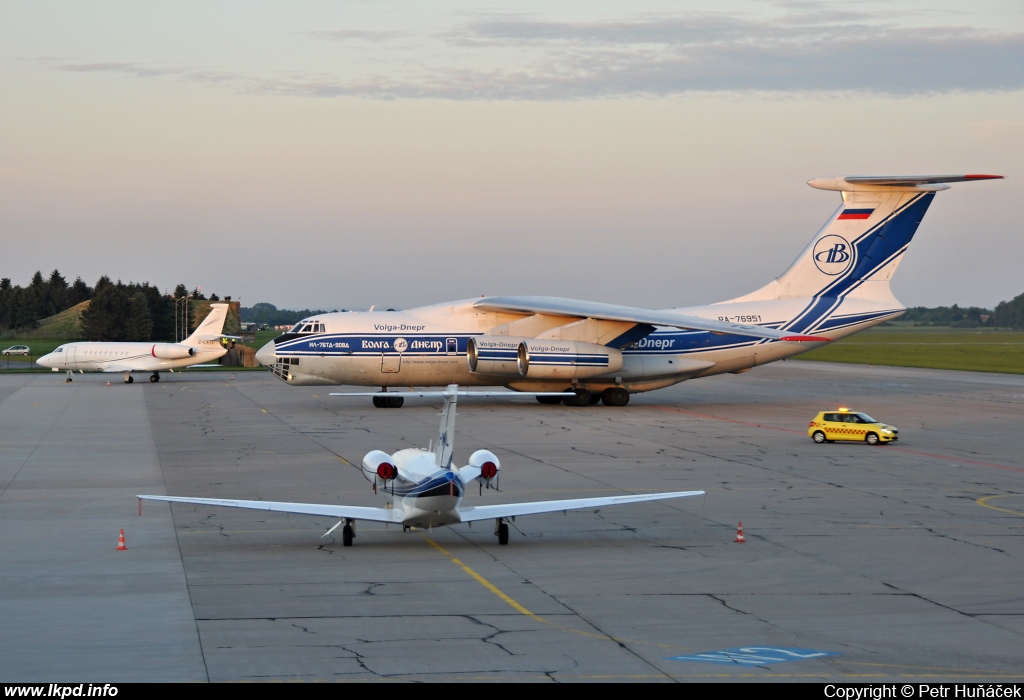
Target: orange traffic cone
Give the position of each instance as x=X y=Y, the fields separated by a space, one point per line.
x=121 y=546
x=232 y=377
x=739 y=534
x=108 y=382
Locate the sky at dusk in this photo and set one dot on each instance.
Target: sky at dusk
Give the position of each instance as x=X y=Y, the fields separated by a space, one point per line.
x=391 y=153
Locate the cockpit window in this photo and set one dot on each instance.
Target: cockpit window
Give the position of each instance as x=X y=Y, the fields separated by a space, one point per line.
x=60 y=349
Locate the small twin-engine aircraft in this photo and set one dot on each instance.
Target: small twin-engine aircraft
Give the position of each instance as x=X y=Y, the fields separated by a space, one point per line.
x=203 y=346
x=839 y=285
x=424 y=490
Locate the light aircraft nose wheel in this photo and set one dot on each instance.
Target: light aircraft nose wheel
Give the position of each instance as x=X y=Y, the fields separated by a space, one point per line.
x=347 y=533
x=502 y=533
x=129 y=379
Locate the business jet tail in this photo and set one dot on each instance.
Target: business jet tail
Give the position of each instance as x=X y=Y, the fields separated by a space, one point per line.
x=862 y=243
x=211 y=328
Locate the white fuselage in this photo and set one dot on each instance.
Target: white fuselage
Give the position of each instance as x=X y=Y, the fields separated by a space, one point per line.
x=427 y=346
x=427 y=495
x=130 y=357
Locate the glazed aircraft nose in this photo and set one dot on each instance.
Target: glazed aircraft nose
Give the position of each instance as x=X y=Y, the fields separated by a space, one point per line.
x=267 y=354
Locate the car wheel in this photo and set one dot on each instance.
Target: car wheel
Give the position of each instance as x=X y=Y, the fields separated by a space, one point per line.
x=818 y=437
x=871 y=439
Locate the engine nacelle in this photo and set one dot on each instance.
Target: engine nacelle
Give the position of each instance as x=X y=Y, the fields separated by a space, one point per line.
x=494 y=354
x=378 y=464
x=172 y=351
x=487 y=463
x=565 y=359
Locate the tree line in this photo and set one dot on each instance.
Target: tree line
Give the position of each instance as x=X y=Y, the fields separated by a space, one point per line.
x=136 y=311
x=1007 y=314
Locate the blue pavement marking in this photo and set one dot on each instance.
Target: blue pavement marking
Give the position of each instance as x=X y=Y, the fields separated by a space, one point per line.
x=755 y=656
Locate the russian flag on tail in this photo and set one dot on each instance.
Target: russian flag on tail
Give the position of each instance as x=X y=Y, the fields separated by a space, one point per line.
x=855 y=214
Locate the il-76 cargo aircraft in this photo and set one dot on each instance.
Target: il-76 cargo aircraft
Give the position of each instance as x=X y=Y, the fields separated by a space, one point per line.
x=839 y=285
x=203 y=346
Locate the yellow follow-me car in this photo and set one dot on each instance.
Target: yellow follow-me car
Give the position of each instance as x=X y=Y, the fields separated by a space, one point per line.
x=844 y=424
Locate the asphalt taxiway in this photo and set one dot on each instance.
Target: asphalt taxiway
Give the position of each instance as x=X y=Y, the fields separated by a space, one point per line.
x=890 y=563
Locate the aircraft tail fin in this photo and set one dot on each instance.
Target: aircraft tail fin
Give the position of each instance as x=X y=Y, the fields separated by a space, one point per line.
x=212 y=326
x=863 y=242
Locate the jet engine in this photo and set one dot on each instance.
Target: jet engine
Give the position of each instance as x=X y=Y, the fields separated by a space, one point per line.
x=494 y=354
x=534 y=358
x=172 y=351
x=377 y=464
x=487 y=463
x=565 y=359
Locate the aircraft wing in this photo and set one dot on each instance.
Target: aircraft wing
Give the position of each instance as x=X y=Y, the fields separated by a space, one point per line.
x=379 y=515
x=141 y=363
x=556 y=306
x=510 y=510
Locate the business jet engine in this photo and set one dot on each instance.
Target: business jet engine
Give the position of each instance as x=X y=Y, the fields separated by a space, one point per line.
x=378 y=464
x=539 y=358
x=172 y=351
x=487 y=463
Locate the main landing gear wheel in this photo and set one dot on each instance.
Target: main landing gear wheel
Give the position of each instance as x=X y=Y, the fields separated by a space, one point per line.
x=582 y=398
x=128 y=379
x=615 y=396
x=871 y=439
x=502 y=533
x=818 y=437
x=155 y=377
x=549 y=400
x=347 y=535
x=388 y=401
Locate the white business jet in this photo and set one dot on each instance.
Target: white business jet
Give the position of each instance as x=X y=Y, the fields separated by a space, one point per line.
x=839 y=285
x=424 y=490
x=202 y=347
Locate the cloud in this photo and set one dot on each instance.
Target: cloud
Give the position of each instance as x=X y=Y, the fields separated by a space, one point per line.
x=512 y=57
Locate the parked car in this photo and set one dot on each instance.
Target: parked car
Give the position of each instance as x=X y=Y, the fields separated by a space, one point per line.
x=17 y=350
x=844 y=424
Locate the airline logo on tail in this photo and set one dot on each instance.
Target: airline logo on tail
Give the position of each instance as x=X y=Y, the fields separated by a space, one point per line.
x=833 y=254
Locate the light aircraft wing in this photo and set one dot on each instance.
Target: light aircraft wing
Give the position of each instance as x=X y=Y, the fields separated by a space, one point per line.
x=556 y=306
x=510 y=510
x=379 y=515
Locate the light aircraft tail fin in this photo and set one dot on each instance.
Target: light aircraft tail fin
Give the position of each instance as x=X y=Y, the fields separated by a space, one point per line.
x=863 y=242
x=446 y=432
x=212 y=326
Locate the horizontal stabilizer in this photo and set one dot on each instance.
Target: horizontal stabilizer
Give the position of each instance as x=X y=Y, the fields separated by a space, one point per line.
x=921 y=183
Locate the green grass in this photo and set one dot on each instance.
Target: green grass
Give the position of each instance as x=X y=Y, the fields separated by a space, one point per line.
x=975 y=350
